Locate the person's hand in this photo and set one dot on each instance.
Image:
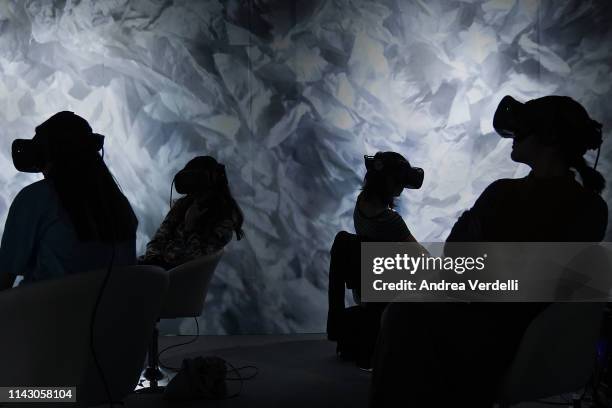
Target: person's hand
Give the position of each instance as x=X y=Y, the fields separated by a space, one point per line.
x=193 y=215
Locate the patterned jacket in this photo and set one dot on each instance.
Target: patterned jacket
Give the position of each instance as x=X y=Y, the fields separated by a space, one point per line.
x=194 y=227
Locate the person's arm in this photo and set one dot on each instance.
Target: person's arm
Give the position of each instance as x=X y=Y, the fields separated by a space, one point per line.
x=155 y=248
x=469 y=226
x=19 y=237
x=200 y=244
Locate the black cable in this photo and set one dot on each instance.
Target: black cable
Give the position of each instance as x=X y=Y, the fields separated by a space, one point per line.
x=178 y=345
x=240 y=377
x=109 y=396
x=231 y=370
x=92 y=326
x=597 y=158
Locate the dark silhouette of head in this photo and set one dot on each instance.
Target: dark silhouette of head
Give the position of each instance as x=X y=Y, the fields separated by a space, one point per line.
x=551 y=131
x=201 y=174
x=388 y=173
x=204 y=176
x=67 y=154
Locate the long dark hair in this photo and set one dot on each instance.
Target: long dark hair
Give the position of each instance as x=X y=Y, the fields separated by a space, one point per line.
x=236 y=211
x=92 y=199
x=86 y=189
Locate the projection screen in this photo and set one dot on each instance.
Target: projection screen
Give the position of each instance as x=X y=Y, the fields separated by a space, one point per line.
x=290 y=95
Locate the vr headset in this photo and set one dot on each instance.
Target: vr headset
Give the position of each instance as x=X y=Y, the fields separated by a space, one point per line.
x=31 y=155
x=195 y=180
x=64 y=132
x=410 y=177
x=554 y=119
x=511 y=118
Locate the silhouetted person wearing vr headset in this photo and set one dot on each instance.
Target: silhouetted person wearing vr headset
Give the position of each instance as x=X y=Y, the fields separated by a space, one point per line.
x=74 y=220
x=454 y=354
x=355 y=328
x=388 y=174
x=200 y=223
x=550 y=135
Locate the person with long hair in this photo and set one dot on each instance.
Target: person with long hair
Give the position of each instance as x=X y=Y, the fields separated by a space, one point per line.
x=387 y=175
x=459 y=352
x=74 y=220
x=201 y=222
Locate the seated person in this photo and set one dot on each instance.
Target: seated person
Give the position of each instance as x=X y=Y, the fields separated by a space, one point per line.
x=200 y=223
x=74 y=220
x=355 y=329
x=455 y=354
x=387 y=175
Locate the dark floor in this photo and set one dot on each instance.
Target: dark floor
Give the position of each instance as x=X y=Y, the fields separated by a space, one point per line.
x=294 y=371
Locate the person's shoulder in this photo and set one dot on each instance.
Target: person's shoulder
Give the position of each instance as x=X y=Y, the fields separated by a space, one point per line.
x=38 y=190
x=33 y=198
x=504 y=184
x=495 y=190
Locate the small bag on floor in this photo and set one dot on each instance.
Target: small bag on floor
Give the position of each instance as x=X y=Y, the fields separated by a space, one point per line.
x=199 y=378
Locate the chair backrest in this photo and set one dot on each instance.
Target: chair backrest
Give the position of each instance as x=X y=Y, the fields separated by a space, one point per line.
x=45 y=330
x=125 y=320
x=188 y=287
x=556 y=354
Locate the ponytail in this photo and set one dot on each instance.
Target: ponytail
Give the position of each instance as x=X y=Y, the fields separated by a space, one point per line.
x=591 y=178
x=580 y=134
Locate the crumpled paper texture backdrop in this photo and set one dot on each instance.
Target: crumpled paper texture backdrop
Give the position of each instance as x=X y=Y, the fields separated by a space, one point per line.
x=290 y=95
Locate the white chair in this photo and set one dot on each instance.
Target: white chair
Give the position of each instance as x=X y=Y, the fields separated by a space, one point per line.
x=556 y=354
x=45 y=338
x=125 y=320
x=187 y=290
x=46 y=331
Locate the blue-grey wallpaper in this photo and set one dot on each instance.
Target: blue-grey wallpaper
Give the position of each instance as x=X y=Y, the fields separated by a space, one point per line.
x=290 y=95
